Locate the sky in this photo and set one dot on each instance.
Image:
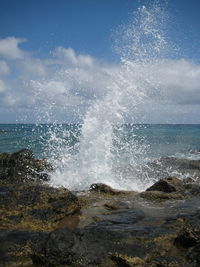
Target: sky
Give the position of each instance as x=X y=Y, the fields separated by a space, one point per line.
x=58 y=56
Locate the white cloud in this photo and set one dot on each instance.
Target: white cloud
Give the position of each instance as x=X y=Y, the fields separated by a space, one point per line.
x=70 y=82
x=3 y=86
x=9 y=48
x=4 y=68
x=33 y=68
x=179 y=81
x=69 y=57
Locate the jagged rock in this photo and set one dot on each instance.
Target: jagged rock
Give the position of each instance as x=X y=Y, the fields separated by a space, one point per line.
x=160 y=196
x=90 y=246
x=193 y=189
x=15 y=246
x=166 y=261
x=21 y=166
x=44 y=226
x=193 y=255
x=167 y=185
x=35 y=207
x=189 y=235
x=164 y=166
x=103 y=188
x=116 y=205
x=125 y=261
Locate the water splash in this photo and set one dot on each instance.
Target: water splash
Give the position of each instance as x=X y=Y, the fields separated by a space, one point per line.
x=100 y=152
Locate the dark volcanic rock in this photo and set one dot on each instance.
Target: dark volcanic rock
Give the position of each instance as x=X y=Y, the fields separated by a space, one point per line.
x=160 y=196
x=28 y=208
x=189 y=235
x=123 y=217
x=15 y=247
x=22 y=166
x=90 y=246
x=193 y=255
x=166 y=261
x=103 y=188
x=35 y=207
x=167 y=185
x=103 y=227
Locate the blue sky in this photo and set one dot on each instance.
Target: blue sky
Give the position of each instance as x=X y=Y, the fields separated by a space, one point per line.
x=88 y=25
x=85 y=25
x=33 y=34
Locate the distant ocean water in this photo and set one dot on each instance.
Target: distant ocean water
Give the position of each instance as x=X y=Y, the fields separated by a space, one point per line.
x=77 y=166
x=160 y=140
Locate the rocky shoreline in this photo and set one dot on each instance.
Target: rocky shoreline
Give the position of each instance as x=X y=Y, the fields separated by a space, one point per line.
x=45 y=226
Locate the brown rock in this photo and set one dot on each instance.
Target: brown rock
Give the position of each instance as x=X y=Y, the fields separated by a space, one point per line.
x=103 y=188
x=158 y=195
x=167 y=185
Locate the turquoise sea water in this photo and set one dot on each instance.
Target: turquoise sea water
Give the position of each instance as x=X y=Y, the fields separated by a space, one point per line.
x=159 y=140
x=120 y=164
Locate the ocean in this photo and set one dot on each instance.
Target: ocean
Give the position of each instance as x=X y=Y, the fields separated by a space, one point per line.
x=160 y=140
x=132 y=145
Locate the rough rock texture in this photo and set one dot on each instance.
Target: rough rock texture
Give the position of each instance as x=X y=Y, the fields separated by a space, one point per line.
x=123 y=230
x=44 y=226
x=35 y=207
x=28 y=208
x=171 y=188
x=167 y=185
x=22 y=165
x=103 y=188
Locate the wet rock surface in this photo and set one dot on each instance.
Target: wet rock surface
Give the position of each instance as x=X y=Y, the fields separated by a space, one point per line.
x=22 y=166
x=45 y=226
x=28 y=207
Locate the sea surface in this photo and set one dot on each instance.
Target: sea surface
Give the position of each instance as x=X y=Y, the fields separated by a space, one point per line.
x=132 y=147
x=159 y=140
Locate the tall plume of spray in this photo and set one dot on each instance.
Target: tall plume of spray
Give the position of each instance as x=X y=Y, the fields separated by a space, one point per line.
x=143 y=42
x=98 y=159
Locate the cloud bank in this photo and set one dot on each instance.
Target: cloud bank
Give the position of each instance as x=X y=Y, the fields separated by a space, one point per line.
x=66 y=83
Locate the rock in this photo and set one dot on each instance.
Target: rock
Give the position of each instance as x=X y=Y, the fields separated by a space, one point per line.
x=106 y=189
x=15 y=246
x=166 y=261
x=45 y=226
x=168 y=165
x=193 y=189
x=90 y=246
x=121 y=236
x=160 y=196
x=123 y=217
x=193 y=255
x=125 y=261
x=116 y=205
x=21 y=166
x=189 y=235
x=35 y=207
x=167 y=185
